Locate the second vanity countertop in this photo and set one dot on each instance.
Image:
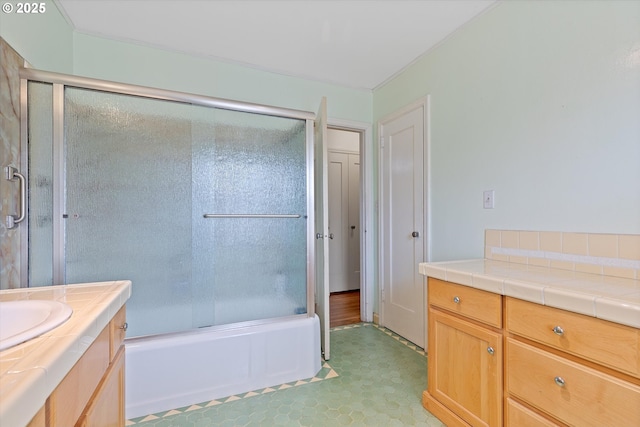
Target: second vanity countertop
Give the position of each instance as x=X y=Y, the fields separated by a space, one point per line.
x=29 y=372
x=610 y=298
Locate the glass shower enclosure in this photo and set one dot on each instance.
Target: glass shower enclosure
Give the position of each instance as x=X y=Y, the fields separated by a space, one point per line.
x=205 y=205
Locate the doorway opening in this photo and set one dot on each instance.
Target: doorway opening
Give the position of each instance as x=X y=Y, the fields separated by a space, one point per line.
x=345 y=225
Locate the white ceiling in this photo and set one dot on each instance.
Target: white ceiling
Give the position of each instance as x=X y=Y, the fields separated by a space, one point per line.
x=355 y=43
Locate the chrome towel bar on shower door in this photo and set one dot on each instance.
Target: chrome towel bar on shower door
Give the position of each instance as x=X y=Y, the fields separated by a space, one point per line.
x=250 y=216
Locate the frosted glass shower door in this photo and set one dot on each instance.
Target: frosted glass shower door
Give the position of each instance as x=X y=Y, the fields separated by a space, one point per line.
x=203 y=209
x=206 y=210
x=128 y=202
x=249 y=217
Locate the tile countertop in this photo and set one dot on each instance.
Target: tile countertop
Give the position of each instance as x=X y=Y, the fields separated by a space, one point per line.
x=611 y=298
x=29 y=372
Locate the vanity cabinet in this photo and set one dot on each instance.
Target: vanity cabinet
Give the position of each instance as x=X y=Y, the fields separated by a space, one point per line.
x=558 y=368
x=564 y=367
x=92 y=393
x=465 y=355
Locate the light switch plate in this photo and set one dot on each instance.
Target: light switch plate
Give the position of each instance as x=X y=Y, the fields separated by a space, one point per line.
x=488 y=198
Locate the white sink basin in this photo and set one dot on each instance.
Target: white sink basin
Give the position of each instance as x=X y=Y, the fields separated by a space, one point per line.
x=21 y=321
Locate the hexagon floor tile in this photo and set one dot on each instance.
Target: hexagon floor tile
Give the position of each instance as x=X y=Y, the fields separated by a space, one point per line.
x=374 y=378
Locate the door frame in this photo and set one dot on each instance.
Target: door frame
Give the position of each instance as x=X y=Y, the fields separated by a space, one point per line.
x=367 y=252
x=423 y=103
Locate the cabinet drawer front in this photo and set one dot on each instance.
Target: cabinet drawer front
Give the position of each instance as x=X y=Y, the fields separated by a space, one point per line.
x=39 y=419
x=106 y=407
x=474 y=303
x=518 y=415
x=68 y=400
x=570 y=392
x=608 y=343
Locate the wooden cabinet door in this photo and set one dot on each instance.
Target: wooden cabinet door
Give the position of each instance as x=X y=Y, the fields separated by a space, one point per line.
x=106 y=408
x=465 y=369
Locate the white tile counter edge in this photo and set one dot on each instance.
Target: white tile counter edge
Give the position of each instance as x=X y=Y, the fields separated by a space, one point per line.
x=32 y=370
x=605 y=297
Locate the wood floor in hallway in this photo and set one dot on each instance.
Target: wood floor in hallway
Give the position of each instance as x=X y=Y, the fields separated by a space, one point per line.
x=344 y=308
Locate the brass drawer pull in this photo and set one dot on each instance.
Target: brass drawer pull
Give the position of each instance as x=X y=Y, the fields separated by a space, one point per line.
x=559 y=381
x=558 y=331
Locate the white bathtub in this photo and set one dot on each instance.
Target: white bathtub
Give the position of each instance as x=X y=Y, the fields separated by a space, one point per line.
x=170 y=372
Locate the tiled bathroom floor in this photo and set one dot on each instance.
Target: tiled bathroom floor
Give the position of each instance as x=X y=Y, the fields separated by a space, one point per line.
x=374 y=378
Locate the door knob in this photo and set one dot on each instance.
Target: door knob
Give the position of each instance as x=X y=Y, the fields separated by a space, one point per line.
x=415 y=234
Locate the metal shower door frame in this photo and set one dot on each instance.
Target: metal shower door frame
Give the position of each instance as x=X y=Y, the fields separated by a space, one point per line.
x=60 y=81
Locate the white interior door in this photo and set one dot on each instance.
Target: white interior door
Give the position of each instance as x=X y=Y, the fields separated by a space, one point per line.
x=338 y=221
x=322 y=226
x=344 y=221
x=403 y=234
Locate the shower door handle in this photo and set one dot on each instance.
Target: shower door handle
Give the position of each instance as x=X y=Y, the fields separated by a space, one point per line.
x=11 y=174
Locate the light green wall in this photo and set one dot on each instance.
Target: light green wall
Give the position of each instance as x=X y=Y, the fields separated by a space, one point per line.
x=44 y=40
x=536 y=100
x=48 y=43
x=539 y=101
x=130 y=63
